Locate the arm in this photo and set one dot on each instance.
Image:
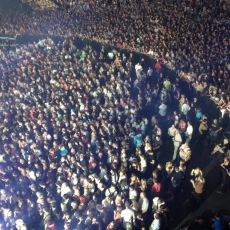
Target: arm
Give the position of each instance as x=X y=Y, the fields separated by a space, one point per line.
x=200 y=129
x=193 y=183
x=157 y=147
x=227 y=172
x=187 y=158
x=152 y=162
x=219 y=129
x=222 y=165
x=192 y=173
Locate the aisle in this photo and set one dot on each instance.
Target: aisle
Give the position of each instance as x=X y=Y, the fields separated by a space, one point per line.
x=212 y=201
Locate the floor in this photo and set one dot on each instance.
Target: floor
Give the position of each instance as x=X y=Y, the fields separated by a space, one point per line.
x=181 y=211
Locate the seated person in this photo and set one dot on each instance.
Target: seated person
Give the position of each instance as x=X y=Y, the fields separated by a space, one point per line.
x=223 y=147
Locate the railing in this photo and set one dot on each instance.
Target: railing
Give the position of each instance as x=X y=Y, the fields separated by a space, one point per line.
x=7 y=40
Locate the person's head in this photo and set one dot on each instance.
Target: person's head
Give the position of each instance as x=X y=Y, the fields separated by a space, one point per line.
x=176 y=169
x=127 y=204
x=205 y=120
x=182 y=162
x=154 y=174
x=186 y=144
x=143 y=195
x=177 y=132
x=215 y=121
x=158 y=137
x=156 y=216
x=74 y=204
x=217 y=215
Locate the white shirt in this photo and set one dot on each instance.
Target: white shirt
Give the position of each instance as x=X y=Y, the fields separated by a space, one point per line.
x=144 y=204
x=110 y=55
x=177 y=139
x=82 y=107
x=138 y=67
x=133 y=194
x=156 y=224
x=185 y=108
x=32 y=175
x=150 y=52
x=189 y=130
x=155 y=200
x=74 y=181
x=171 y=131
x=114 y=178
x=109 y=192
x=162 y=109
x=143 y=164
x=176 y=120
x=149 y=72
x=127 y=216
x=65 y=190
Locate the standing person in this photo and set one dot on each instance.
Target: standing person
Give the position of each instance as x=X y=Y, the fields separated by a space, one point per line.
x=184 y=153
x=158 y=66
x=149 y=76
x=144 y=204
x=171 y=131
x=162 y=109
x=156 y=224
x=167 y=84
x=171 y=134
x=143 y=164
x=203 y=131
x=198 y=186
x=196 y=172
x=215 y=128
x=157 y=144
x=218 y=222
x=128 y=215
x=177 y=140
x=156 y=188
x=137 y=140
x=225 y=173
x=140 y=222
x=176 y=178
x=189 y=132
x=185 y=109
x=138 y=69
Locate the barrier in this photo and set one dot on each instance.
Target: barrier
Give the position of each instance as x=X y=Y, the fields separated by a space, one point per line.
x=9 y=41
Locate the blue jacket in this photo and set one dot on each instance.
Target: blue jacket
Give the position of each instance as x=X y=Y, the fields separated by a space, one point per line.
x=218 y=224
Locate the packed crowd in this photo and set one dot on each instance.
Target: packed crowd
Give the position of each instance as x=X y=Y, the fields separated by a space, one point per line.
x=82 y=132
x=81 y=140
x=183 y=35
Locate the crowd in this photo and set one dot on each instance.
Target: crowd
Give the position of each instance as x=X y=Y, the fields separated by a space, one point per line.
x=84 y=133
x=82 y=140
x=190 y=37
